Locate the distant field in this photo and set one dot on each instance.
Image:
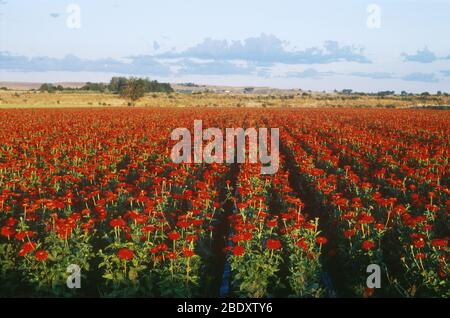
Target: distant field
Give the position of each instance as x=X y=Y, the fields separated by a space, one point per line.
x=21 y=99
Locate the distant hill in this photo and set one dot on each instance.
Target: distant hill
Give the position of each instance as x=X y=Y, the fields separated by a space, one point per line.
x=32 y=85
x=192 y=88
x=178 y=87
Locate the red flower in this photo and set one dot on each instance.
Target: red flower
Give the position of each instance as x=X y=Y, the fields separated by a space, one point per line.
x=349 y=233
x=238 y=250
x=366 y=218
x=117 y=223
x=11 y=221
x=321 y=240
x=191 y=238
x=7 y=231
x=420 y=256
x=237 y=238
x=174 y=235
x=188 y=253
x=125 y=254
x=162 y=247
x=368 y=292
x=148 y=228
x=183 y=224
x=419 y=243
x=247 y=236
x=273 y=244
x=272 y=223
x=23 y=234
x=368 y=245
x=41 y=255
x=439 y=243
x=27 y=248
x=416 y=236
x=241 y=205
x=302 y=244
x=171 y=255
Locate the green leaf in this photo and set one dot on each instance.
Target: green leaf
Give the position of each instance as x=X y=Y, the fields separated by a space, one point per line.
x=108 y=276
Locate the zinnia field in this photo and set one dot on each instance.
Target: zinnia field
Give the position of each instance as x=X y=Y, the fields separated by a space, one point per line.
x=96 y=188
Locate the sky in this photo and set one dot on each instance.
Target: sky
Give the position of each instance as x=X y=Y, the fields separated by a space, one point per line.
x=313 y=45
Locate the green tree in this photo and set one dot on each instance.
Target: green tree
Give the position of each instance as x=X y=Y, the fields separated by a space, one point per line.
x=117 y=84
x=134 y=88
x=96 y=87
x=47 y=88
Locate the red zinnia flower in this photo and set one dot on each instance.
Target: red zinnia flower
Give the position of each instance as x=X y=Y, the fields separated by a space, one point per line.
x=148 y=228
x=41 y=255
x=117 y=223
x=191 y=238
x=368 y=245
x=247 y=236
x=174 y=235
x=238 y=250
x=162 y=247
x=273 y=244
x=7 y=231
x=368 y=292
x=27 y=248
x=125 y=254
x=11 y=221
x=183 y=224
x=439 y=243
x=321 y=240
x=366 y=218
x=349 y=233
x=188 y=253
x=241 y=205
x=23 y=234
x=237 y=238
x=420 y=256
x=419 y=243
x=302 y=244
x=171 y=255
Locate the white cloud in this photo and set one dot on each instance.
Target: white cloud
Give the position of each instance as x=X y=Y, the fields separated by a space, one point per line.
x=268 y=49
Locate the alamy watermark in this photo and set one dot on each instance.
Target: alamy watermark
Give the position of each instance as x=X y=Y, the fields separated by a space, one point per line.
x=213 y=152
x=73 y=20
x=374 y=18
x=74 y=279
x=374 y=279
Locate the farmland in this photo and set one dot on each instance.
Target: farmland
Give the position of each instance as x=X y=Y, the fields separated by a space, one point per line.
x=95 y=187
x=286 y=99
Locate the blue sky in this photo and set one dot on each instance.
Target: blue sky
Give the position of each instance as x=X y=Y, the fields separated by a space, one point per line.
x=318 y=45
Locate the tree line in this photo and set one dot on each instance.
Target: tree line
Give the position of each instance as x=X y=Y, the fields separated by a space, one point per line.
x=389 y=93
x=131 y=87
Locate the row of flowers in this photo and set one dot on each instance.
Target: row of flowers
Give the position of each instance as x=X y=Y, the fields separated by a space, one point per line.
x=274 y=249
x=390 y=230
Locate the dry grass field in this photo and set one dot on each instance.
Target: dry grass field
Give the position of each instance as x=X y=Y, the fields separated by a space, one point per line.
x=20 y=99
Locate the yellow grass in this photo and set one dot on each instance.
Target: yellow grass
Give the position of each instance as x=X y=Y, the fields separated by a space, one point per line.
x=12 y=99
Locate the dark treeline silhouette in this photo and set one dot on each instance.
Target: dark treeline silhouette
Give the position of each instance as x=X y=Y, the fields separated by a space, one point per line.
x=131 y=87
